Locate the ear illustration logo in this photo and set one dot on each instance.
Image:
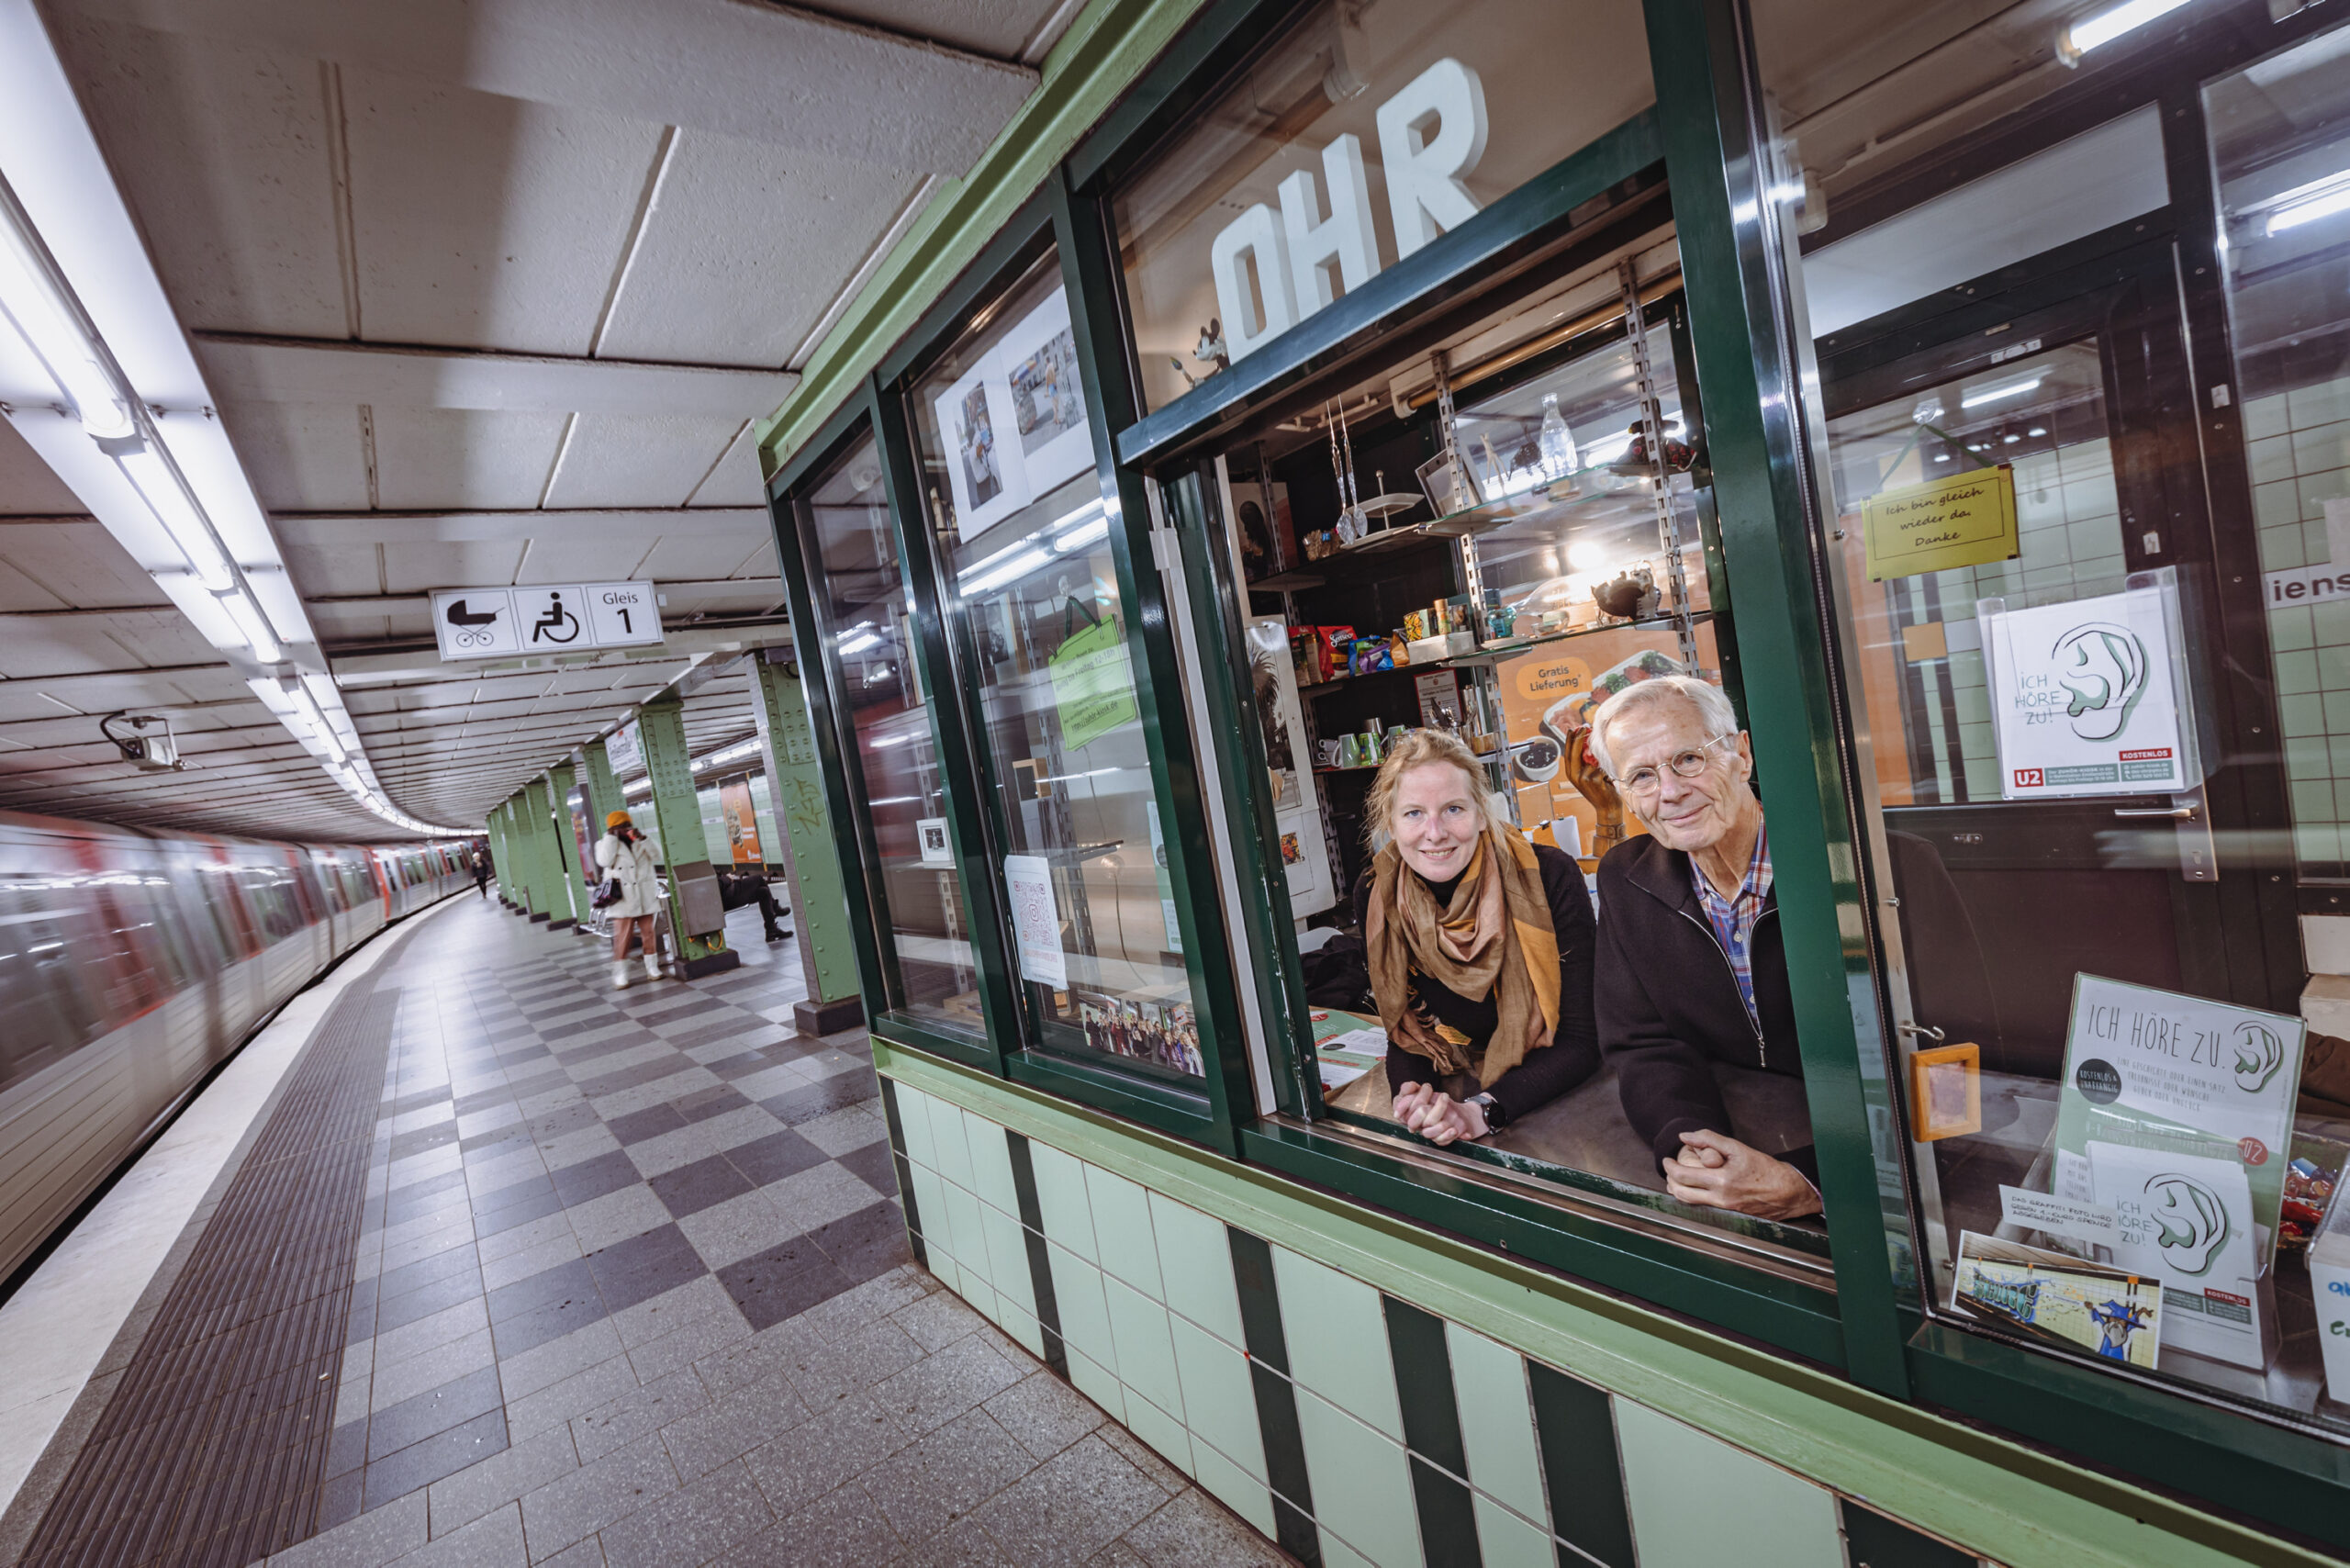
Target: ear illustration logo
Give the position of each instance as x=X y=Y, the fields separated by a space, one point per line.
x=2104 y=666
x=2194 y=1222
x=2259 y=1053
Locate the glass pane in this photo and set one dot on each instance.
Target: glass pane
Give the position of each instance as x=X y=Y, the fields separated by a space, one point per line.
x=1007 y=455
x=2281 y=146
x=862 y=603
x=2119 y=1143
x=1363 y=132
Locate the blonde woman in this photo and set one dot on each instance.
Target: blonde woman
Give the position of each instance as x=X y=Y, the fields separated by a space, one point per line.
x=1479 y=946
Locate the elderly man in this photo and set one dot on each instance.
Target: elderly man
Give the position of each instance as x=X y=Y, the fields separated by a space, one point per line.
x=1691 y=972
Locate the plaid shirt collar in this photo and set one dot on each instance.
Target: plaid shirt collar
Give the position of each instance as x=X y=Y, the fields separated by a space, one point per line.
x=1733 y=917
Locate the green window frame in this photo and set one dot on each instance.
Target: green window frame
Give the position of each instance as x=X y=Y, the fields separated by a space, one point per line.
x=1705 y=132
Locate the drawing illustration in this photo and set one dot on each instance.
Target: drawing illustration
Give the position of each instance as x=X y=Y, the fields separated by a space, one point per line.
x=2259 y=1053
x=2104 y=666
x=2194 y=1222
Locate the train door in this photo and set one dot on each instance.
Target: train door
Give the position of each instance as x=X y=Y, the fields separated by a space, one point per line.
x=2067 y=746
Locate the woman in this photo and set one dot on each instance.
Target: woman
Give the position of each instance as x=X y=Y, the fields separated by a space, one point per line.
x=624 y=853
x=1479 y=946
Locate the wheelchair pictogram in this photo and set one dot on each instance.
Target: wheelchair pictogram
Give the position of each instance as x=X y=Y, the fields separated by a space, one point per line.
x=555 y=624
x=472 y=629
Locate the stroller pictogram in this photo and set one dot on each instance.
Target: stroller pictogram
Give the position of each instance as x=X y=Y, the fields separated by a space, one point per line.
x=472 y=631
x=555 y=624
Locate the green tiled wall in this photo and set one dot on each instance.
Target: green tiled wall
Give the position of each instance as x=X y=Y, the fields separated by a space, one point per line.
x=2300 y=454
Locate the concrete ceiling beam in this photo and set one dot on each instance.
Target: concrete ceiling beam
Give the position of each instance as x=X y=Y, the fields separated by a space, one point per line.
x=248 y=369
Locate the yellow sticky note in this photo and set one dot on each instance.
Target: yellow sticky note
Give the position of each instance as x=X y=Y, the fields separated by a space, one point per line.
x=1967 y=519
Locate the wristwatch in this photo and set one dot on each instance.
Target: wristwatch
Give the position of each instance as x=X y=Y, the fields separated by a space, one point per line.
x=1496 y=1117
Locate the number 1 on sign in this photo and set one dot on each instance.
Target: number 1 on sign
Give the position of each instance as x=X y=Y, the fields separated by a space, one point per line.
x=626 y=625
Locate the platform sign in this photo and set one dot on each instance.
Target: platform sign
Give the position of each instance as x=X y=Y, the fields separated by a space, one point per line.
x=547 y=618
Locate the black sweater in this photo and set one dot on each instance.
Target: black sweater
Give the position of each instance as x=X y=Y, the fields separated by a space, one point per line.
x=1668 y=1004
x=1573 y=1052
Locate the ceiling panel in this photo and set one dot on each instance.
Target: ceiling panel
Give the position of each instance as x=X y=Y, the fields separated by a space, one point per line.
x=638 y=459
x=429 y=459
x=301 y=456
x=556 y=559
x=30 y=487
x=413 y=568
x=221 y=149
x=675 y=559
x=486 y=222
x=746 y=249
x=737 y=481
x=335 y=569
x=998 y=27
x=76 y=561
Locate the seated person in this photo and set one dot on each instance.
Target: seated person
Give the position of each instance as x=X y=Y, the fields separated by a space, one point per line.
x=737 y=890
x=1479 y=947
x=1691 y=969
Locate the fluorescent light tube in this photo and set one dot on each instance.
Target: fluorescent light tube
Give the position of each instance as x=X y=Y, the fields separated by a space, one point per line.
x=251 y=622
x=30 y=296
x=175 y=509
x=272 y=695
x=204 y=609
x=1996 y=394
x=1091 y=533
x=2306 y=204
x=864 y=641
x=2102 y=28
x=1011 y=571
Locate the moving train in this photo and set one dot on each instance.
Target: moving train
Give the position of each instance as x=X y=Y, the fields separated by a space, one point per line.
x=131 y=964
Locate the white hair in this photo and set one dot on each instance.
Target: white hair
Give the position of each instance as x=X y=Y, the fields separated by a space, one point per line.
x=1713 y=709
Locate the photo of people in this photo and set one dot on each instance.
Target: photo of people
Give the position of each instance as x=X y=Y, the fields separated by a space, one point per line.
x=1165 y=1033
x=974 y=439
x=1046 y=401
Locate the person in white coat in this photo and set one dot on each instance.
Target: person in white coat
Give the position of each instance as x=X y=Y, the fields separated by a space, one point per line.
x=624 y=853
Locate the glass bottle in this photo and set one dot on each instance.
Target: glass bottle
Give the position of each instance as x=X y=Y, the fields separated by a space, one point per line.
x=1558 y=443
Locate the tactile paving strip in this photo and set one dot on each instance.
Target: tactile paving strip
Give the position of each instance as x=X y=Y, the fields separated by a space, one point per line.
x=211 y=1450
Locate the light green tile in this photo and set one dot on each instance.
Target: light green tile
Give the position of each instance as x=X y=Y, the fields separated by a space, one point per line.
x=1232 y=1486
x=1122 y=1232
x=2338 y=712
x=2319 y=448
x=949 y=1272
x=954 y=1149
x=2290 y=628
x=2264 y=416
x=914 y=1122
x=2314 y=801
x=1146 y=1350
x=1085 y=1316
x=980 y=1293
x=1098 y=1384
x=1337 y=1336
x=1507 y=1542
x=2309 y=757
x=1163 y=1431
x=1060 y=1199
x=2303 y=715
x=970 y=1235
x=2274 y=505
x=991 y=1166
x=1496 y=1419
x=2297 y=672
x=930 y=1208
x=1363 y=1484
x=1219 y=1401
x=1755 y=1514
x=1020 y=1326
x=2337 y=756
x=2319 y=488
x=1008 y=1268
x=1336 y=1553
x=2271 y=458
x=2331 y=622
x=1195 y=1266
x=2317 y=404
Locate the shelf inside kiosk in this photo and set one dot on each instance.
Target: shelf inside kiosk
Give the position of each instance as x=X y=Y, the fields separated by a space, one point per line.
x=1492 y=553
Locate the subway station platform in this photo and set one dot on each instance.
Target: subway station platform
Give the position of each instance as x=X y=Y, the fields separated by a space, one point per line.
x=495 y=1264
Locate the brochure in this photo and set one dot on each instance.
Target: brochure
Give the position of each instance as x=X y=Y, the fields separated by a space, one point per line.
x=2187 y=1221
x=2054 y=1296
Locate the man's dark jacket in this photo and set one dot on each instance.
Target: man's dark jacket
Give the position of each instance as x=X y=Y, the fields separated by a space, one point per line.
x=1668 y=1002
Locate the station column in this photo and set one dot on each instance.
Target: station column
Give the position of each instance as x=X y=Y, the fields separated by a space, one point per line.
x=696 y=909
x=532 y=806
x=571 y=906
x=501 y=860
x=603 y=790
x=810 y=862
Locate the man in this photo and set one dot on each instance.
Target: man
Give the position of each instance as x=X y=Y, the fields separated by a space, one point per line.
x=739 y=888
x=1692 y=973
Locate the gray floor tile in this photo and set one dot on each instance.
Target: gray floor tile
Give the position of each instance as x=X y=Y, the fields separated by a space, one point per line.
x=746 y=1419
x=1043 y=1413
x=526 y=1464
x=853 y=1363
x=494 y=1540
x=582 y=1502
x=665 y=1314
x=947 y=1383
x=1191 y=1530
x=923 y=1488
x=559 y=1403
x=841 y=1441
x=364 y=1543
x=691 y=1526
x=840 y=1530
x=549 y=1363
x=640 y=1410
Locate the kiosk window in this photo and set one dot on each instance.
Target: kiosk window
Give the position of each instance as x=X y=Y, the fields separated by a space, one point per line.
x=1023 y=538
x=861 y=591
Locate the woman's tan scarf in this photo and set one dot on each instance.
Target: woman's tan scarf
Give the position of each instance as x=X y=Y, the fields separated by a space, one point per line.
x=1494 y=936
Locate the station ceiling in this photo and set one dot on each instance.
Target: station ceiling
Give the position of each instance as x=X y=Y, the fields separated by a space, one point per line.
x=485 y=294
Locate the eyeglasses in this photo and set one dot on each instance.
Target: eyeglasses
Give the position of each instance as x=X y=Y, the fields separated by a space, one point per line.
x=1684 y=764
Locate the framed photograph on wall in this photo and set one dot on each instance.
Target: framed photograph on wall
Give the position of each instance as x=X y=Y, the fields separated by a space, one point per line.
x=1036 y=364
x=984 y=472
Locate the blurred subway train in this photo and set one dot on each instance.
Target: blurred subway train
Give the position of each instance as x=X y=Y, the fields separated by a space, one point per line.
x=131 y=964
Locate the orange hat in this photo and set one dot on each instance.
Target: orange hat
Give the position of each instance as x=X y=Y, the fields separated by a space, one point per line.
x=614 y=819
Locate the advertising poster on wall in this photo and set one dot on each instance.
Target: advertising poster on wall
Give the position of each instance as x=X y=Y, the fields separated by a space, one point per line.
x=742 y=821
x=1551 y=693
x=1014 y=424
x=2085 y=698
x=1036 y=919
x=1297 y=803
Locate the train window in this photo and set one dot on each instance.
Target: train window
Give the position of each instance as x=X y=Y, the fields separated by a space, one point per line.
x=136 y=914
x=43 y=1010
x=269 y=893
x=203 y=928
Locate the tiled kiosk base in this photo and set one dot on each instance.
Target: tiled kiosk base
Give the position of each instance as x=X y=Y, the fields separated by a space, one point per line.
x=1364 y=1400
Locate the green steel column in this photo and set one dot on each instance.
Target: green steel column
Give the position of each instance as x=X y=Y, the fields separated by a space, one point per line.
x=518 y=855
x=491 y=830
x=603 y=790
x=571 y=907
x=546 y=896
x=695 y=908
x=811 y=860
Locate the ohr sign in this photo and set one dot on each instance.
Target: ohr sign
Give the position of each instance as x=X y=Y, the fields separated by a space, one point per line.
x=1432 y=135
